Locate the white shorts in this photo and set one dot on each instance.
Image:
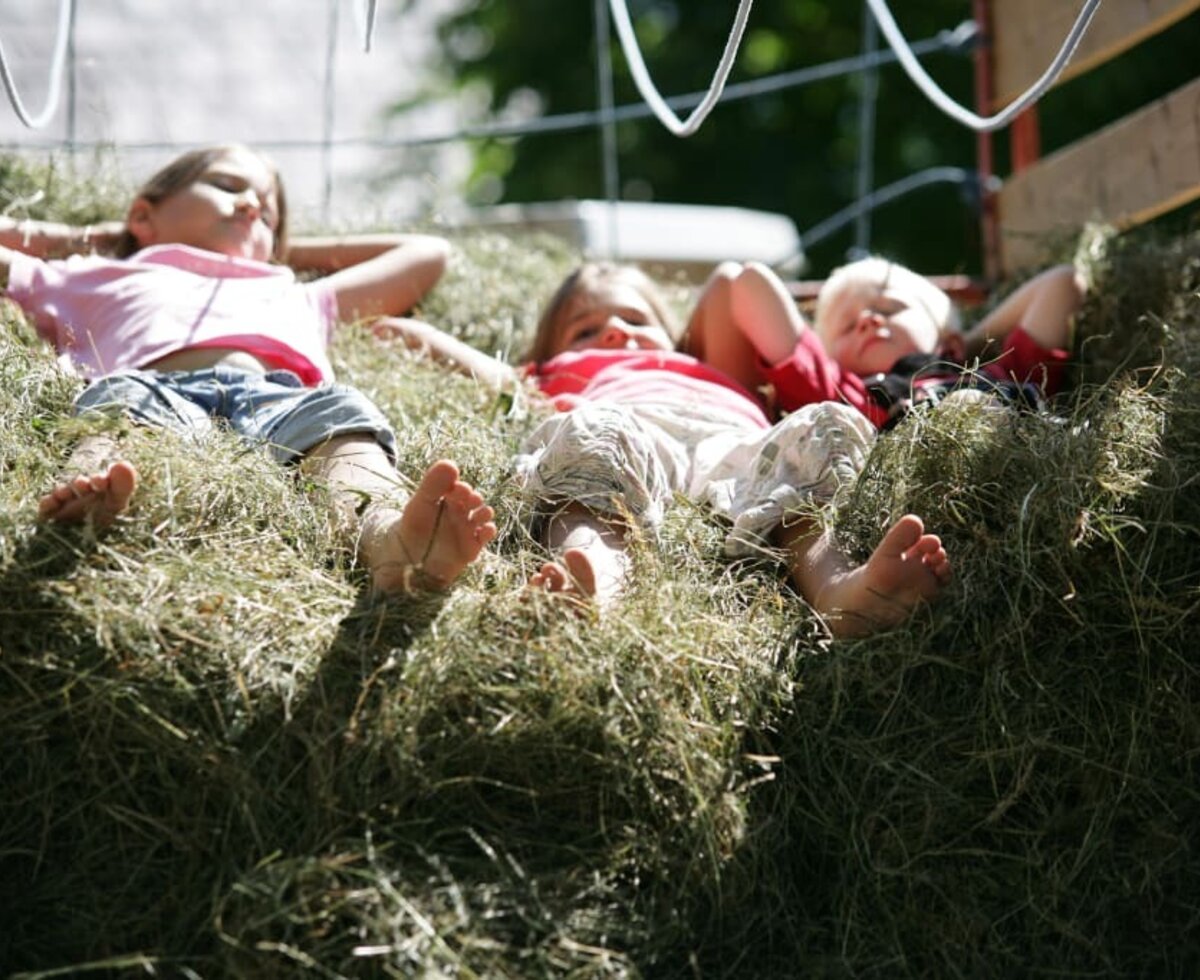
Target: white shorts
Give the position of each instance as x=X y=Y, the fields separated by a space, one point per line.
x=630 y=460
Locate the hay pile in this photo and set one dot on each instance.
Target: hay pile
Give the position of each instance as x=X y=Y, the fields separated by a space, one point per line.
x=221 y=757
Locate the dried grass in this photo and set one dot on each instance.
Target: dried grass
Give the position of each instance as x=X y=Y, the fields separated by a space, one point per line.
x=222 y=757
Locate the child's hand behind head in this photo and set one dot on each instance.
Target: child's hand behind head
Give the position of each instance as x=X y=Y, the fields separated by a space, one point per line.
x=952 y=345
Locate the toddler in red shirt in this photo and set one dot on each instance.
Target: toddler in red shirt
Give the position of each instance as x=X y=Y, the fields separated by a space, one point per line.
x=884 y=338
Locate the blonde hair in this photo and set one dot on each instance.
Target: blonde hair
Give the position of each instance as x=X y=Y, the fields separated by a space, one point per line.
x=588 y=279
x=850 y=286
x=186 y=169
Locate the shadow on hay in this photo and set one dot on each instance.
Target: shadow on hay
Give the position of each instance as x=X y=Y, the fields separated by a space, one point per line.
x=77 y=815
x=134 y=795
x=1011 y=787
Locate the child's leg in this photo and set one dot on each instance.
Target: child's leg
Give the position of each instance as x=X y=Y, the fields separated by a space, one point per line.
x=107 y=482
x=908 y=567
x=595 y=559
x=424 y=542
x=101 y=491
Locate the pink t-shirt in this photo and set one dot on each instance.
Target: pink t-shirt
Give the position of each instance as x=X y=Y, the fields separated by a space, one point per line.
x=644 y=377
x=108 y=315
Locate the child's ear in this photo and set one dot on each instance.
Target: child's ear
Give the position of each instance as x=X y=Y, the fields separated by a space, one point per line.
x=140 y=221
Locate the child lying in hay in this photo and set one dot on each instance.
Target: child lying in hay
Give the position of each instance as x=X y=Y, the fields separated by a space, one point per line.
x=193 y=322
x=885 y=338
x=639 y=422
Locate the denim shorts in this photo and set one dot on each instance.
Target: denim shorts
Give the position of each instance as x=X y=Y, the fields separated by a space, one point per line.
x=274 y=410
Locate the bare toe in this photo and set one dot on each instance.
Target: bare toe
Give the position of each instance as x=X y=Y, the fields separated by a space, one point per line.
x=438 y=480
x=441 y=530
x=551 y=577
x=906 y=533
x=581 y=571
x=101 y=496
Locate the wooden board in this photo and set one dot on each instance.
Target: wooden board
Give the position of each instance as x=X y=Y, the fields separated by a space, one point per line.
x=1028 y=33
x=1142 y=166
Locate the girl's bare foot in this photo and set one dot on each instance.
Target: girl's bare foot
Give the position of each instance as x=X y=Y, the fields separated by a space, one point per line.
x=441 y=530
x=101 y=497
x=908 y=567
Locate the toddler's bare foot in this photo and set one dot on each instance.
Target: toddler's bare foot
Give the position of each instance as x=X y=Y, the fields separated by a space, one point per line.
x=440 y=531
x=101 y=497
x=572 y=578
x=907 y=568
x=593 y=576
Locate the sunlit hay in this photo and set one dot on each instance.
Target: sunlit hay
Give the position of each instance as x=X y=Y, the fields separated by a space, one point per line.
x=36 y=389
x=968 y=795
x=133 y=667
x=61 y=189
x=464 y=906
x=494 y=290
x=557 y=724
x=1143 y=291
x=1021 y=501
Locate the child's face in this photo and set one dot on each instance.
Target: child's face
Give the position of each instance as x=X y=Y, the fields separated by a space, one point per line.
x=614 y=316
x=231 y=208
x=883 y=328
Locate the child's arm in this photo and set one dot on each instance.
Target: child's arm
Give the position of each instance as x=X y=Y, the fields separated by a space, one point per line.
x=53 y=239
x=448 y=350
x=373 y=275
x=765 y=313
x=1043 y=307
x=744 y=319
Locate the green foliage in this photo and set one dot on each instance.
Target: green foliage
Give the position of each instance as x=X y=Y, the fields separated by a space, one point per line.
x=794 y=151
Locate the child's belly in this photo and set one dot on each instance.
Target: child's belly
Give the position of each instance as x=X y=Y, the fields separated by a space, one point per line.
x=198 y=358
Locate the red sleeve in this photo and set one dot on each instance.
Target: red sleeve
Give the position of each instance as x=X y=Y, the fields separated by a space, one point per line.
x=810 y=375
x=1024 y=359
x=556 y=377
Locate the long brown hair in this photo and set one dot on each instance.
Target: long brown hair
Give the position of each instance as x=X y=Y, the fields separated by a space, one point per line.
x=589 y=278
x=185 y=170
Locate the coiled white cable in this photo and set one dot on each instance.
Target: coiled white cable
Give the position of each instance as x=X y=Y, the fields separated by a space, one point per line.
x=65 y=10
x=641 y=77
x=941 y=100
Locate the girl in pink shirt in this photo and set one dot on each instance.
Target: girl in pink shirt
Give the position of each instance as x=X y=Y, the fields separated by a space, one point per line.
x=639 y=422
x=195 y=320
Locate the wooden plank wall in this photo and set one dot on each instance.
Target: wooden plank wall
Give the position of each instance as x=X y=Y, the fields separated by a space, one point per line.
x=1137 y=168
x=1141 y=166
x=1027 y=34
